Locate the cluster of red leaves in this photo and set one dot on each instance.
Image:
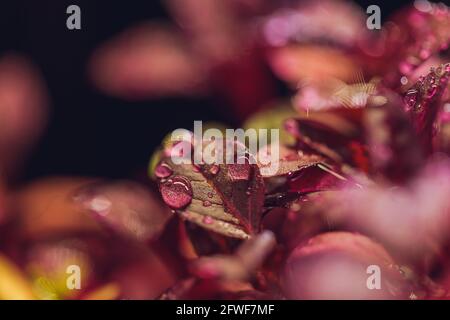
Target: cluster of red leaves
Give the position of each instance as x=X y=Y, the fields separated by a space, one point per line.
x=368 y=174
x=365 y=182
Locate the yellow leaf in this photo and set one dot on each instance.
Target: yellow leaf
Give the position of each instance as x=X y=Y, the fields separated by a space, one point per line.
x=109 y=291
x=13 y=284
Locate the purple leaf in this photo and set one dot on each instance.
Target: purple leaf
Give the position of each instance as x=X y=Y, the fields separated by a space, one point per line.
x=225 y=198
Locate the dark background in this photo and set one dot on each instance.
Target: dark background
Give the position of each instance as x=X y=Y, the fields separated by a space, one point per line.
x=90 y=133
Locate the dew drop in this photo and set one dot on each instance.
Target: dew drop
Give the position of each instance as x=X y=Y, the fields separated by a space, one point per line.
x=207 y=203
x=208 y=220
x=163 y=170
x=411 y=98
x=432 y=91
x=176 y=192
x=432 y=79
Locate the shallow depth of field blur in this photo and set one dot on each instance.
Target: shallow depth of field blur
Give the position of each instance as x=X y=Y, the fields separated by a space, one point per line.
x=364 y=117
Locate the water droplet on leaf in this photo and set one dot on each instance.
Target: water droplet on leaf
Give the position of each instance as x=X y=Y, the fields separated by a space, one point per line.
x=163 y=171
x=411 y=98
x=208 y=220
x=177 y=192
x=207 y=203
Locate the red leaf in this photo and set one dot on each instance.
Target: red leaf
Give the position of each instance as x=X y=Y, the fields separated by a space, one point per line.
x=334 y=266
x=423 y=102
x=392 y=141
x=225 y=198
